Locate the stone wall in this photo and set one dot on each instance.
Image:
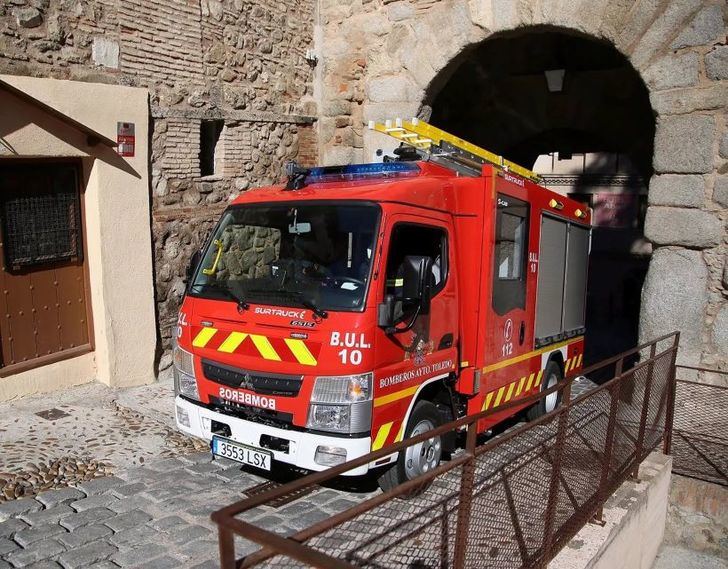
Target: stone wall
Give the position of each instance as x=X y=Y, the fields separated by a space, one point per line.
x=697 y=516
x=397 y=55
x=239 y=62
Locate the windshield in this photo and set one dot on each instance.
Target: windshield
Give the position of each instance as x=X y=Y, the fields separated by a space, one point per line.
x=313 y=255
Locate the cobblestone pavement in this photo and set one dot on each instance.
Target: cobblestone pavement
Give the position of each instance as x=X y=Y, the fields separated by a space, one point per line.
x=154 y=512
x=155 y=516
x=51 y=441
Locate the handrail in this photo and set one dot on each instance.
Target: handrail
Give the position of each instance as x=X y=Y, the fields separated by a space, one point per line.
x=653 y=401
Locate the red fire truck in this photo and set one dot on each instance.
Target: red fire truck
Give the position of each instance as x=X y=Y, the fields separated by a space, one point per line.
x=361 y=304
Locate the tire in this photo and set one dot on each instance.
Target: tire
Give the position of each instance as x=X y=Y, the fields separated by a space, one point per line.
x=551 y=376
x=420 y=458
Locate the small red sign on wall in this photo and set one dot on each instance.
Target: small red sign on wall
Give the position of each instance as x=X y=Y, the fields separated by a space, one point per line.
x=125 y=139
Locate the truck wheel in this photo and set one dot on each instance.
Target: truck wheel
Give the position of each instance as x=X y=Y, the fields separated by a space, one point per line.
x=420 y=458
x=551 y=376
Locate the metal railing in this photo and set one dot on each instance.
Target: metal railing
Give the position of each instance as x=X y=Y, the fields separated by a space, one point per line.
x=511 y=502
x=699 y=442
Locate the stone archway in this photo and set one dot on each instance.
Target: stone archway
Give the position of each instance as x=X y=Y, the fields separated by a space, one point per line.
x=497 y=94
x=395 y=56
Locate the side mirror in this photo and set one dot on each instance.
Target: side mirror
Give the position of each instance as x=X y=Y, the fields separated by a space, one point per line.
x=413 y=298
x=417 y=282
x=194 y=261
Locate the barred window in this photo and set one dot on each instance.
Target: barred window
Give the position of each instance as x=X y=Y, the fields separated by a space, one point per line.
x=41 y=214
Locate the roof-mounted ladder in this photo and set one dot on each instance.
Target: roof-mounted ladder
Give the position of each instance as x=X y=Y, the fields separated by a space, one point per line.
x=447 y=147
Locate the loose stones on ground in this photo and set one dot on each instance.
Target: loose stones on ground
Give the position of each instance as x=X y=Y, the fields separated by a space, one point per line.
x=57 y=473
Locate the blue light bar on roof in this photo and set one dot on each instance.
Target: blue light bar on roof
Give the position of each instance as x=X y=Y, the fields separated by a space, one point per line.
x=362 y=172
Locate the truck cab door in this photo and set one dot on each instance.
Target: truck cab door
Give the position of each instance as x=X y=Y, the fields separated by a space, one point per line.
x=428 y=351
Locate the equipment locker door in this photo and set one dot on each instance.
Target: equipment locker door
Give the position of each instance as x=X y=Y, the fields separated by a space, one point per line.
x=509 y=334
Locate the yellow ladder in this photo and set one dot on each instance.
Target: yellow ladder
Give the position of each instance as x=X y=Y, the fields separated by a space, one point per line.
x=424 y=136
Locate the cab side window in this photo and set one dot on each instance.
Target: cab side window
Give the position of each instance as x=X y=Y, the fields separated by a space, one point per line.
x=509 y=265
x=411 y=239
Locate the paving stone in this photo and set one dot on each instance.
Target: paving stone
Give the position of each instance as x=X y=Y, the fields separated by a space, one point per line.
x=340 y=505
x=323 y=496
x=10 y=527
x=188 y=534
x=4 y=565
x=200 y=549
x=167 y=523
x=135 y=556
x=84 y=535
x=28 y=536
x=163 y=494
x=135 y=502
x=47 y=516
x=225 y=462
x=45 y=564
x=128 y=490
x=134 y=536
x=14 y=508
x=175 y=505
x=36 y=552
x=205 y=468
x=101 y=485
x=128 y=520
x=165 y=562
x=197 y=458
x=63 y=496
x=83 y=556
x=86 y=517
x=233 y=475
x=165 y=464
x=103 y=565
x=7 y=545
x=93 y=502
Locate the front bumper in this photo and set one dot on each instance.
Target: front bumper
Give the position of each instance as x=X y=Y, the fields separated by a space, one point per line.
x=301 y=448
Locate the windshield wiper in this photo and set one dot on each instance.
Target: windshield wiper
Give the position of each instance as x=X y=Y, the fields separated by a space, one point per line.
x=299 y=296
x=320 y=312
x=225 y=290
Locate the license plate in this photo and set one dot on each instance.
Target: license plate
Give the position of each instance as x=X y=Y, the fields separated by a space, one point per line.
x=241 y=453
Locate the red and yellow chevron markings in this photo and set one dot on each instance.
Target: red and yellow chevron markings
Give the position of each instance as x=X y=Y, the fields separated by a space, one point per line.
x=505 y=393
x=257 y=345
x=572 y=363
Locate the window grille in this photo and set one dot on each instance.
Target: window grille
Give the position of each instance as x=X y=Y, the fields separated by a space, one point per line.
x=41 y=221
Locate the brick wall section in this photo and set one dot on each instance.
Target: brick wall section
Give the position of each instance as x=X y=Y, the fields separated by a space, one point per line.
x=241 y=61
x=181 y=148
x=161 y=40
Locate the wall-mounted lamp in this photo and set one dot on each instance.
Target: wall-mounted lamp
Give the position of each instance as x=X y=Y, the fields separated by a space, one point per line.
x=555 y=79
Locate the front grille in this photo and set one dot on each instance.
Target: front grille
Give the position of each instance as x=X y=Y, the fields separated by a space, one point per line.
x=277 y=419
x=265 y=384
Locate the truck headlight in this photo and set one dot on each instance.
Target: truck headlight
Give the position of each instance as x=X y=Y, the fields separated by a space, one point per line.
x=184 y=373
x=341 y=404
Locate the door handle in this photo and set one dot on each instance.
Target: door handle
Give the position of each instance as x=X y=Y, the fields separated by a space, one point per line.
x=522 y=333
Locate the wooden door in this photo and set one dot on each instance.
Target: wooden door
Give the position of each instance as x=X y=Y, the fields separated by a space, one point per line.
x=44 y=314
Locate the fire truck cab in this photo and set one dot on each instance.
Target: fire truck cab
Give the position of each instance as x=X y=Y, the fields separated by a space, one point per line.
x=362 y=304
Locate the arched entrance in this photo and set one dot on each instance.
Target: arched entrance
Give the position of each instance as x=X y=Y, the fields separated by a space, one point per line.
x=574 y=109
